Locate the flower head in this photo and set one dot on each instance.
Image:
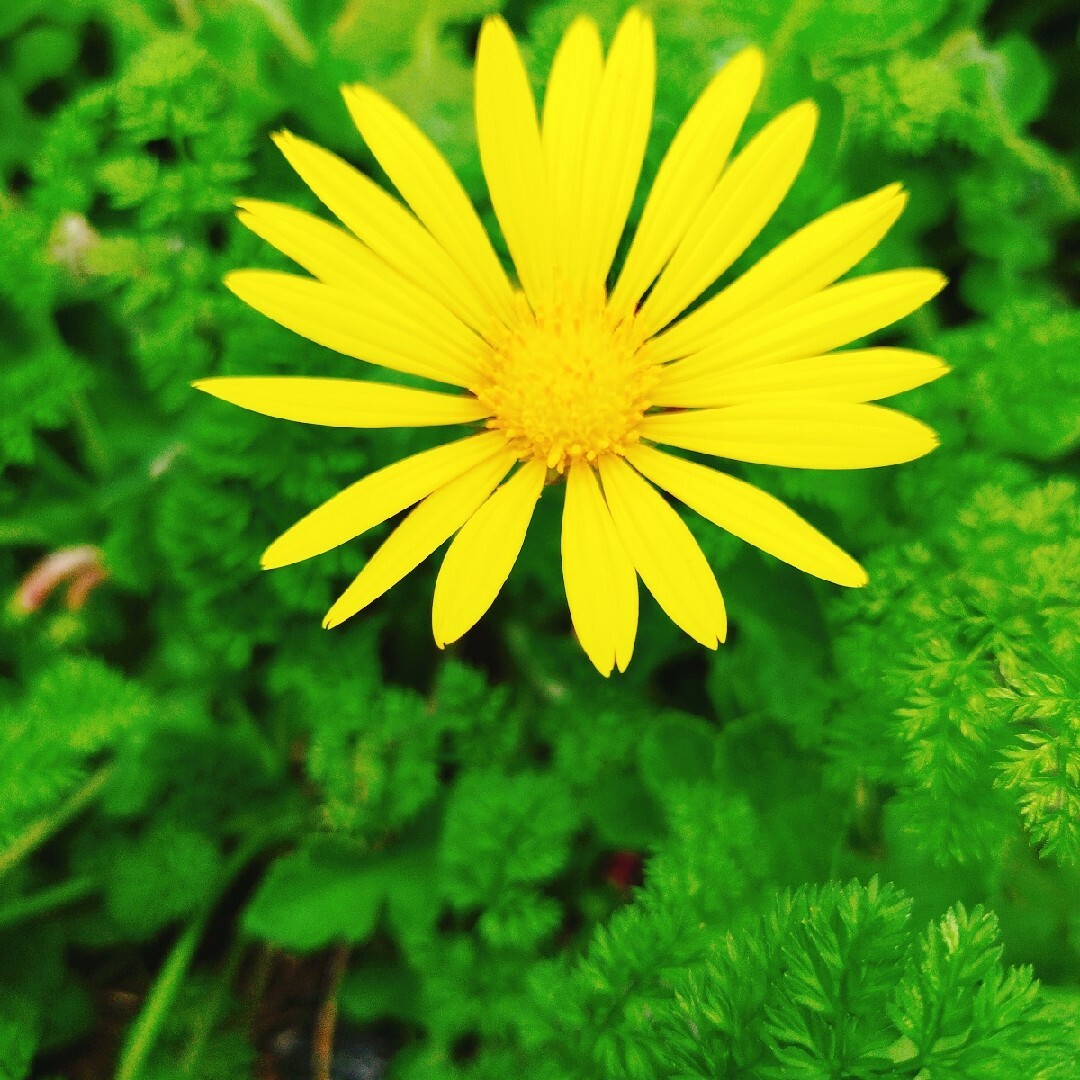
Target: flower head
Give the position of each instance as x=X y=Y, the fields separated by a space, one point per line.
x=558 y=376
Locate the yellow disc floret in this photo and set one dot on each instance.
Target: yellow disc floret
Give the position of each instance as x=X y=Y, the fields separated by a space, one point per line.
x=566 y=382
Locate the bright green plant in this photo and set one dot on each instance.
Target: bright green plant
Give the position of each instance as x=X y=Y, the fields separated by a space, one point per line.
x=858 y=819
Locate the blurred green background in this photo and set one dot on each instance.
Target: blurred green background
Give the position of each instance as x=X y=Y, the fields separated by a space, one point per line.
x=233 y=844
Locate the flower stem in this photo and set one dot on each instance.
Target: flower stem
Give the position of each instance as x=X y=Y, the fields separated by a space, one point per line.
x=286 y=29
x=209 y=1015
x=322 y=1049
x=43 y=828
x=144 y=1031
x=46 y=901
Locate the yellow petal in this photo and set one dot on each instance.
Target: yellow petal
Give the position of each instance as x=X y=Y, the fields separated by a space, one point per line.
x=435 y=520
x=601 y=584
x=806 y=262
x=748 y=513
x=508 y=138
x=688 y=173
x=747 y=195
x=810 y=327
x=382 y=223
x=857 y=375
x=342 y=402
x=379 y=496
x=331 y=254
x=618 y=132
x=379 y=325
x=483 y=553
x=798 y=434
x=429 y=186
x=664 y=553
x=569 y=104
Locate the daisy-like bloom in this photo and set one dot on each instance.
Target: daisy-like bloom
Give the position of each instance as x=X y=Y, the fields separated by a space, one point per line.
x=556 y=376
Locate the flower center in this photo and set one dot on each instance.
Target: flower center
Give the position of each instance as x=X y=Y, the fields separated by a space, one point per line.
x=566 y=382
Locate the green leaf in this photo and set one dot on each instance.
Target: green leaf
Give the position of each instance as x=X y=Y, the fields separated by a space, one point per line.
x=677 y=749
x=502 y=830
x=164 y=875
x=321 y=894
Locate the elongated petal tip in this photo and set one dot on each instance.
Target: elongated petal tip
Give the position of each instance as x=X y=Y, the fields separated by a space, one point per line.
x=752 y=59
x=273 y=559
x=233 y=281
x=356 y=89
x=940 y=279
x=805 y=114
x=493 y=26
x=252 y=206
x=580 y=23
x=858 y=580
x=283 y=140
x=604 y=664
x=637 y=21
x=359 y=98
x=218 y=387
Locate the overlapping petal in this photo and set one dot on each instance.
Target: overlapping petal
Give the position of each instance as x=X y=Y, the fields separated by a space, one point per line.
x=381 y=222
x=569 y=104
x=856 y=375
x=805 y=263
x=366 y=325
x=748 y=513
x=747 y=195
x=618 y=132
x=688 y=174
x=508 y=137
x=342 y=402
x=379 y=496
x=664 y=553
x=324 y=250
x=812 y=326
x=428 y=184
x=483 y=553
x=600 y=580
x=797 y=434
x=433 y=522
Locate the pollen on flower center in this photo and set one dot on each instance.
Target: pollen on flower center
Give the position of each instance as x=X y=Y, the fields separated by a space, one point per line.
x=566 y=382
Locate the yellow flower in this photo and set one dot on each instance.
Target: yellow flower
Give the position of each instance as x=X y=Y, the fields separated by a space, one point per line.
x=570 y=379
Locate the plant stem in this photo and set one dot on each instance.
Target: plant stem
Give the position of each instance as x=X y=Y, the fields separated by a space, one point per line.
x=90 y=431
x=208 y=1016
x=322 y=1043
x=144 y=1031
x=43 y=828
x=286 y=29
x=46 y=901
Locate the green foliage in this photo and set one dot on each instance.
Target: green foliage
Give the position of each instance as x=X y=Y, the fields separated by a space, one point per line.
x=502 y=831
x=979 y=619
x=203 y=796
x=317 y=896
x=833 y=981
x=73 y=710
